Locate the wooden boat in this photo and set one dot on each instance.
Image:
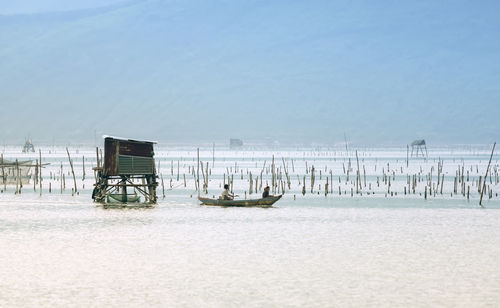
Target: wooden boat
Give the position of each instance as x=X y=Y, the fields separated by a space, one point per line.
x=263 y=202
x=111 y=198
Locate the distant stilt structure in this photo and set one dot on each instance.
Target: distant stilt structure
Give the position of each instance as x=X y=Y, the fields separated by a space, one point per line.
x=125 y=162
x=28 y=147
x=419 y=145
x=235 y=143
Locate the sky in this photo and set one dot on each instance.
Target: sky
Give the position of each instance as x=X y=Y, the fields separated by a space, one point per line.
x=299 y=72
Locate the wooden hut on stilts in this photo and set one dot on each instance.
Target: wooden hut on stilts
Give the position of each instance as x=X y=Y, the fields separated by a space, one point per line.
x=419 y=145
x=126 y=172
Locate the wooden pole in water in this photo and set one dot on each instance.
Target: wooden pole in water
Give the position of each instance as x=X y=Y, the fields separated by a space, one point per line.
x=20 y=178
x=232 y=181
x=72 y=171
x=3 y=175
x=487 y=170
x=272 y=174
x=442 y=183
x=17 y=177
x=83 y=168
x=61 y=178
x=358 y=179
x=40 y=171
x=178 y=170
x=206 y=184
x=162 y=186
x=97 y=156
x=198 y=172
x=407 y=154
x=35 y=176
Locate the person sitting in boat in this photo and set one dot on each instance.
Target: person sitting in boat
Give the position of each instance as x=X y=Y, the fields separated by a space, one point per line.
x=266 y=194
x=226 y=195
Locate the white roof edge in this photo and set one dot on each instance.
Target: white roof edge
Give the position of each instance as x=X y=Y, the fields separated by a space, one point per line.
x=128 y=139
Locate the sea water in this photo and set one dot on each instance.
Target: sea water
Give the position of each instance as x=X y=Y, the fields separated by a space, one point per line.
x=308 y=251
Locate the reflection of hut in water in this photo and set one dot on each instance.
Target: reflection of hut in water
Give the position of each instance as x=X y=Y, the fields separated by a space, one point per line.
x=15 y=172
x=419 y=145
x=128 y=166
x=235 y=143
x=28 y=146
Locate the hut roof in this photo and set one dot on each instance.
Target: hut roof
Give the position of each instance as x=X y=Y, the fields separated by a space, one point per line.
x=418 y=142
x=129 y=140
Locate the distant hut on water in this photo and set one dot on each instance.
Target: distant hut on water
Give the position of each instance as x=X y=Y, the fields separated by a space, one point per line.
x=28 y=146
x=235 y=143
x=419 y=145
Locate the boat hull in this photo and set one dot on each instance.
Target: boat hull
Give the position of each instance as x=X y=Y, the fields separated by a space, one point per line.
x=263 y=202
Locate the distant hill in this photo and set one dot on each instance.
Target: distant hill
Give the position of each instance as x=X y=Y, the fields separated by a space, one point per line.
x=289 y=70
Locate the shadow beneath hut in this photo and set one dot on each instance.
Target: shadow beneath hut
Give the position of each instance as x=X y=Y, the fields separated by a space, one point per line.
x=127 y=206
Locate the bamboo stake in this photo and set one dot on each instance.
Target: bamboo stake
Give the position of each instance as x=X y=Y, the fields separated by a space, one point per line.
x=17 y=177
x=162 y=186
x=487 y=170
x=72 y=171
x=83 y=168
x=407 y=153
x=358 y=179
x=198 y=172
x=40 y=171
x=272 y=173
x=61 y=178
x=3 y=175
x=35 y=175
x=97 y=156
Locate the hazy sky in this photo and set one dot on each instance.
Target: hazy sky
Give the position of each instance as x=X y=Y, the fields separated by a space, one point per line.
x=44 y=6
x=383 y=72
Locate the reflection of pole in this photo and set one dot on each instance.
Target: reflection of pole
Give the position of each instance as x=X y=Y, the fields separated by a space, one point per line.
x=487 y=170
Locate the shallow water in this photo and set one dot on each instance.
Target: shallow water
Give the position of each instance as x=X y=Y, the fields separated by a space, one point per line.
x=69 y=252
x=59 y=250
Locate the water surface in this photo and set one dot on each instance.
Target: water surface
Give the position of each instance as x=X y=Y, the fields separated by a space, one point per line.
x=65 y=251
